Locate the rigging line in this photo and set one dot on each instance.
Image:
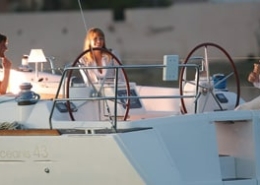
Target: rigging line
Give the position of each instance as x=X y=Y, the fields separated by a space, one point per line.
x=82 y=15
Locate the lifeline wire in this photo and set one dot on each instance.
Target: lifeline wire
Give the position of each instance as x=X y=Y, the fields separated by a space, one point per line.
x=82 y=15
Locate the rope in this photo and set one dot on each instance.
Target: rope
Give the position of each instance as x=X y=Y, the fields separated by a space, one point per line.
x=10 y=126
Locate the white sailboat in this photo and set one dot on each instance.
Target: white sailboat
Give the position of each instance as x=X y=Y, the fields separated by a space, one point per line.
x=122 y=133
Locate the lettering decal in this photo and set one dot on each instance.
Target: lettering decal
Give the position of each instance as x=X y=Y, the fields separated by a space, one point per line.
x=38 y=152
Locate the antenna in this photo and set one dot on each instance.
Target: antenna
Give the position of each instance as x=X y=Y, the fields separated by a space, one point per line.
x=82 y=15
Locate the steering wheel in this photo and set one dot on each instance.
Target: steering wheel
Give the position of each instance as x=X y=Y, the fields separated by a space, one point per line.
x=98 y=91
x=208 y=88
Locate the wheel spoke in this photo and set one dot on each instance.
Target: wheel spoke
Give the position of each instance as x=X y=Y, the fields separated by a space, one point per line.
x=205 y=67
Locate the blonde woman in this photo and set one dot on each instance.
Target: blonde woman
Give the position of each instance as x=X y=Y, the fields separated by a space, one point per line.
x=95 y=38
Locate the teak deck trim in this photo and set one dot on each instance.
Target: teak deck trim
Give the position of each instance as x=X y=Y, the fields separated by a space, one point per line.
x=30 y=132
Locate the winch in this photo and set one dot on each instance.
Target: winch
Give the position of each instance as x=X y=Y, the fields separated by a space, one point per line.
x=26 y=96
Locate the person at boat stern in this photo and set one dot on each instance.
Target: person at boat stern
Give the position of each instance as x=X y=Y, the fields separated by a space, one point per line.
x=95 y=38
x=254 y=76
x=6 y=64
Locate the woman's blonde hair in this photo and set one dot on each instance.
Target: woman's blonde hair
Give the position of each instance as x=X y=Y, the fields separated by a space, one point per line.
x=87 y=44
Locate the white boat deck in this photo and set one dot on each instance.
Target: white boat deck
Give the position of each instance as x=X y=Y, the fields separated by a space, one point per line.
x=92 y=135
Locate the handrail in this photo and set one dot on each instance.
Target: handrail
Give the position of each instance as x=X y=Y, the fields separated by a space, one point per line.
x=115 y=98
